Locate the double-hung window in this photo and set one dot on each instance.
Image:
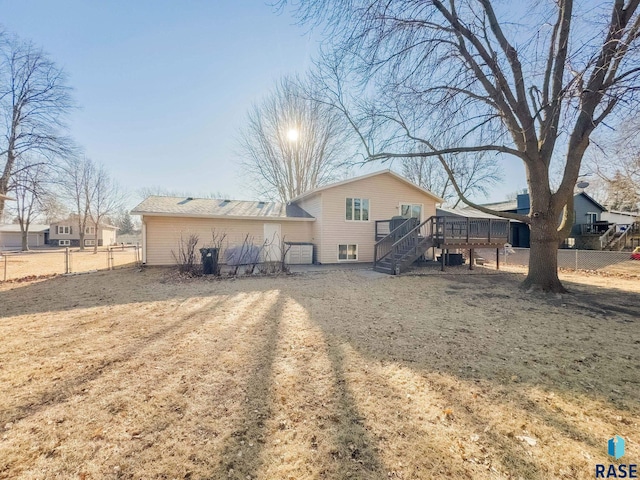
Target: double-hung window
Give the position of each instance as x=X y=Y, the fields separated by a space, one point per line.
x=357 y=209
x=64 y=230
x=90 y=230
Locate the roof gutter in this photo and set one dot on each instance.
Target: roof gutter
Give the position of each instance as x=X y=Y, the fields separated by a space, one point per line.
x=223 y=217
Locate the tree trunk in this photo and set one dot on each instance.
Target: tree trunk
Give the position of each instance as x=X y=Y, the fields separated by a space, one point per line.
x=25 y=241
x=543 y=258
x=95 y=236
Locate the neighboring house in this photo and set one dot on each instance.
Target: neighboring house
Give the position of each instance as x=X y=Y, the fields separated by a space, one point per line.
x=65 y=234
x=11 y=236
x=129 y=238
x=621 y=219
x=341 y=220
x=588 y=223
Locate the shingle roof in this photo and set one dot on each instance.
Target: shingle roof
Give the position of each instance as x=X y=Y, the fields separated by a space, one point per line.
x=14 y=227
x=213 y=208
x=501 y=206
x=465 y=212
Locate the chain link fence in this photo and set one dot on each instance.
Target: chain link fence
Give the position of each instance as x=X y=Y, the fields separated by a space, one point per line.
x=570 y=259
x=18 y=265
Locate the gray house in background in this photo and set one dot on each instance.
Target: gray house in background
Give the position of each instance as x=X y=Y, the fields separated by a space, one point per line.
x=588 y=225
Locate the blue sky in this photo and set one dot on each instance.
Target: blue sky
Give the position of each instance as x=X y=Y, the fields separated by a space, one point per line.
x=164 y=86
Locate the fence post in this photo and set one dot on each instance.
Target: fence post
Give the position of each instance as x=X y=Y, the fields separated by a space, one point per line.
x=576 y=259
x=108 y=259
x=5 y=268
x=67 y=263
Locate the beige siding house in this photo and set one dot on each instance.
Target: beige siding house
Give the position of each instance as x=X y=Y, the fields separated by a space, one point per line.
x=65 y=234
x=338 y=219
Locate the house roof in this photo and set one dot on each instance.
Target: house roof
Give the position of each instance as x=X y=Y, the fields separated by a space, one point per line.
x=14 y=227
x=214 y=208
x=630 y=214
x=588 y=197
x=466 y=212
x=500 y=206
x=362 y=177
x=73 y=219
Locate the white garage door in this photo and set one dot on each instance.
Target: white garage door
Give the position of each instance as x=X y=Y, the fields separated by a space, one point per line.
x=14 y=240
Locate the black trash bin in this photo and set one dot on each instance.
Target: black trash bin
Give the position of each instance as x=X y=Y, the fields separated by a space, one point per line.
x=209 y=261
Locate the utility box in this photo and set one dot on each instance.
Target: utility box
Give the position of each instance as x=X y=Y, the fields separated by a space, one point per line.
x=209 y=261
x=298 y=253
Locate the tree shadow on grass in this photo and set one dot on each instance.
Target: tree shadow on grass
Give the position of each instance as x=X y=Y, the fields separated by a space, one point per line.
x=240 y=457
x=472 y=330
x=72 y=386
x=356 y=454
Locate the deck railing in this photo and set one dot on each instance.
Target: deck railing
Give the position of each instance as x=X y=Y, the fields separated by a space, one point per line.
x=593 y=228
x=471 y=230
x=442 y=230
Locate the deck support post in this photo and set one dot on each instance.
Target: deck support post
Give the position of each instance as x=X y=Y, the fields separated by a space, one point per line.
x=497 y=259
x=442 y=258
x=471 y=259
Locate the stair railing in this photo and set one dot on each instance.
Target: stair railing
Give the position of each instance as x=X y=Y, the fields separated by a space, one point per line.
x=411 y=244
x=384 y=247
x=607 y=236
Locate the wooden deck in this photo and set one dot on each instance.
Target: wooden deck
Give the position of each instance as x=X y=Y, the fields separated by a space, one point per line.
x=410 y=240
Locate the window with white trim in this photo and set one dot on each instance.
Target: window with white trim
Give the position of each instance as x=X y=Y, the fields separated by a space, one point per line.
x=90 y=230
x=411 y=210
x=348 y=252
x=64 y=243
x=357 y=210
x=89 y=243
x=64 y=230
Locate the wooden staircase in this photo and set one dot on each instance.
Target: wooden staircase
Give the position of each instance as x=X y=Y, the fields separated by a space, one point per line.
x=619 y=240
x=395 y=252
x=402 y=247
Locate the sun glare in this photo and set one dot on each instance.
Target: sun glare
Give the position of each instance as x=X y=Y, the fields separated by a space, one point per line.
x=292 y=135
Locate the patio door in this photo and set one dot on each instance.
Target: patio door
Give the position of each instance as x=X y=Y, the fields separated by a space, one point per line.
x=272 y=242
x=411 y=210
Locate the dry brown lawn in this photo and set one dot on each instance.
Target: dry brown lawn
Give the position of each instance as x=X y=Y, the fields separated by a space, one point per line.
x=52 y=261
x=337 y=374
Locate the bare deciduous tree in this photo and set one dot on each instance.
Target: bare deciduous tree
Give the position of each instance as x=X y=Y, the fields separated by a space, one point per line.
x=615 y=168
x=475 y=174
x=145 y=192
x=77 y=181
x=28 y=186
x=106 y=199
x=34 y=100
x=462 y=77
x=292 y=143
